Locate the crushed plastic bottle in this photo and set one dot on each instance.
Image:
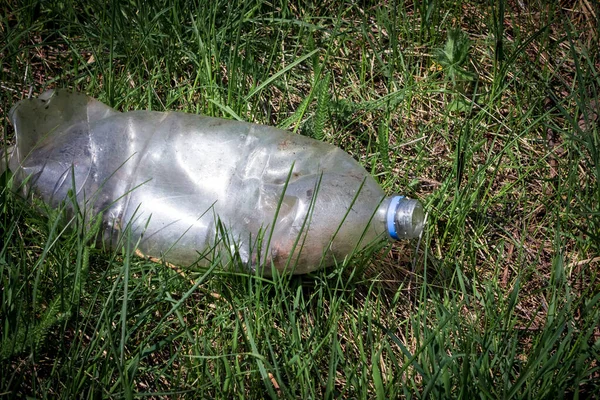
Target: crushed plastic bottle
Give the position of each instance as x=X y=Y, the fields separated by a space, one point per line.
x=185 y=184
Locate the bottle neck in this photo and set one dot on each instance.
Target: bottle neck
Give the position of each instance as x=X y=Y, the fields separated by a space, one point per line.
x=402 y=218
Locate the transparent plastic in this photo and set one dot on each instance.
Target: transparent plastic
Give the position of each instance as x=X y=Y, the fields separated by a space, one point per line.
x=190 y=186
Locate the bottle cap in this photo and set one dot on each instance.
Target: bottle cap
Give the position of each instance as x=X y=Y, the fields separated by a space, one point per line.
x=405 y=218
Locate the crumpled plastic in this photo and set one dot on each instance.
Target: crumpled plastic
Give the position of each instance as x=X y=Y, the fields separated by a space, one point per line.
x=189 y=188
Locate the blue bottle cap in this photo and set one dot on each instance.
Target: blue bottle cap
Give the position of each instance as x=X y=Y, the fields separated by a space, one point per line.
x=391 y=217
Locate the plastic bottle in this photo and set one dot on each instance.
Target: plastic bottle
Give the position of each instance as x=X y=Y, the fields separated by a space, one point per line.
x=190 y=187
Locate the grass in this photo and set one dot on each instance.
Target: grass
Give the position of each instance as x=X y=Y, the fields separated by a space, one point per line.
x=486 y=112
